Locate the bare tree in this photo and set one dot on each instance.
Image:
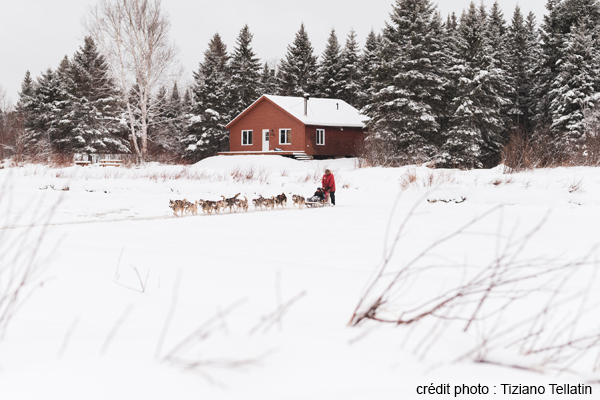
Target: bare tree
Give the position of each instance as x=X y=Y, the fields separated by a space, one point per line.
x=5 y=103
x=10 y=125
x=133 y=35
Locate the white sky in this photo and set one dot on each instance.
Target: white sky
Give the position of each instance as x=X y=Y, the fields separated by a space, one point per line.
x=37 y=34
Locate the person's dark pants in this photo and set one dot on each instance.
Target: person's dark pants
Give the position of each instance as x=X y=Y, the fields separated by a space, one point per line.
x=332 y=197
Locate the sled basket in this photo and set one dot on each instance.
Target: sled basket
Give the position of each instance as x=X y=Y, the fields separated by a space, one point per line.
x=314 y=201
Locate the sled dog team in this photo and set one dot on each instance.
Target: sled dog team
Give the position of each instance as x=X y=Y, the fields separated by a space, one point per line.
x=233 y=203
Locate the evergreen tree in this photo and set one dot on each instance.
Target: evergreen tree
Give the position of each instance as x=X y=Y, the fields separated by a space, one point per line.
x=408 y=88
x=245 y=73
x=42 y=117
x=349 y=74
x=367 y=65
x=26 y=93
x=164 y=135
x=558 y=22
x=206 y=133
x=450 y=43
x=497 y=32
x=61 y=119
x=92 y=119
x=575 y=88
x=175 y=107
x=551 y=37
x=522 y=55
x=268 y=80
x=328 y=79
x=474 y=137
x=297 y=73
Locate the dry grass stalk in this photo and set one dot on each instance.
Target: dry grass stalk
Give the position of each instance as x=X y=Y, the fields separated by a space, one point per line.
x=482 y=296
x=22 y=260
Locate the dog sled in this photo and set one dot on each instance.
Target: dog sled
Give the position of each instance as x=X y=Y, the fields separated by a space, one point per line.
x=319 y=199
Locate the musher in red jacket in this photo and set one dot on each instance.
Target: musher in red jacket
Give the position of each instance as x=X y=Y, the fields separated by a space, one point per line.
x=328 y=185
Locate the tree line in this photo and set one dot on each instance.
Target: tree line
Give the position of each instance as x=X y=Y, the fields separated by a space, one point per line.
x=452 y=91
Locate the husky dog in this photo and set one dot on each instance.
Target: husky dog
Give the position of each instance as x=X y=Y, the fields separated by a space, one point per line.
x=269 y=203
x=177 y=205
x=297 y=199
x=243 y=204
x=230 y=201
x=191 y=207
x=207 y=206
x=258 y=202
x=281 y=200
x=216 y=206
x=220 y=205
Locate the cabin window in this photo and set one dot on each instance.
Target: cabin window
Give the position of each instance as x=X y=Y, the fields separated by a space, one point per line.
x=246 y=138
x=321 y=137
x=285 y=136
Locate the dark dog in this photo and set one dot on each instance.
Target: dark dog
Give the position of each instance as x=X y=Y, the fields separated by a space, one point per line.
x=230 y=202
x=281 y=200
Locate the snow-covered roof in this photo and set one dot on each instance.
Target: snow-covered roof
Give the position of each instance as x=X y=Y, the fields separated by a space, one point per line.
x=325 y=112
x=322 y=112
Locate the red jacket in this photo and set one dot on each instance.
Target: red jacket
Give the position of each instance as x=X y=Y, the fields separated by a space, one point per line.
x=328 y=183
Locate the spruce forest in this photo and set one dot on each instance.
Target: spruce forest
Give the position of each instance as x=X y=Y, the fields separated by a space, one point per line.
x=469 y=90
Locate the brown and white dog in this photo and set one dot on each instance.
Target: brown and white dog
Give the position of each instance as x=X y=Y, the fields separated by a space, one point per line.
x=220 y=205
x=207 y=205
x=269 y=203
x=258 y=202
x=243 y=204
x=297 y=199
x=177 y=205
x=230 y=202
x=191 y=207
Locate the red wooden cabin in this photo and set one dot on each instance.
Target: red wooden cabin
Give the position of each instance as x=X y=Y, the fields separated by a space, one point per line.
x=317 y=128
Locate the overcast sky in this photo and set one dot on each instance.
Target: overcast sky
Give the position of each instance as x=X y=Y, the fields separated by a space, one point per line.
x=37 y=34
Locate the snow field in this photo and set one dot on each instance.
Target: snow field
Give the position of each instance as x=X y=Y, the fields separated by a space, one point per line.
x=137 y=303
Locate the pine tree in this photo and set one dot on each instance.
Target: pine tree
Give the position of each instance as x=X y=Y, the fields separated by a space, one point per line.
x=496 y=32
x=164 y=135
x=26 y=93
x=62 y=123
x=298 y=71
x=497 y=40
x=558 y=22
x=474 y=137
x=268 y=80
x=44 y=109
x=206 y=133
x=93 y=113
x=522 y=55
x=406 y=104
x=450 y=43
x=367 y=65
x=245 y=73
x=328 y=79
x=551 y=37
x=349 y=74
x=575 y=88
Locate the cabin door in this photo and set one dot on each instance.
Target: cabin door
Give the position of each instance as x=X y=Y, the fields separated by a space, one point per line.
x=265 y=140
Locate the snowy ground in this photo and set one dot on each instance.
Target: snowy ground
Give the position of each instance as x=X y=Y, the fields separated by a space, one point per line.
x=131 y=302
